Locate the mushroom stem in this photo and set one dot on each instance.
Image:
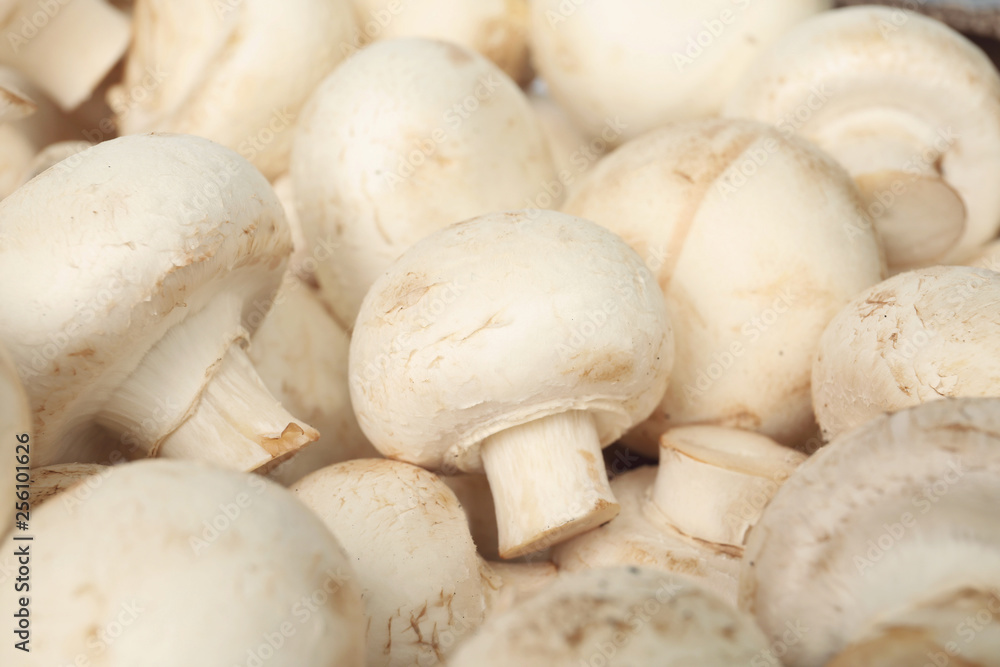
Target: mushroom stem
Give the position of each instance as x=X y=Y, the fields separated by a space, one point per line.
x=71 y=52
x=713 y=484
x=223 y=415
x=548 y=482
x=244 y=427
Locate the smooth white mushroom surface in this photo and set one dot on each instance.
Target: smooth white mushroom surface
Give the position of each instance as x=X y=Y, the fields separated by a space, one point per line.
x=650 y=63
x=235 y=71
x=535 y=338
x=16 y=440
x=757 y=241
x=918 y=336
x=690 y=515
x=425 y=588
x=300 y=353
x=133 y=278
x=618 y=617
x=497 y=29
x=911 y=109
x=177 y=563
x=64 y=47
x=884 y=540
x=407 y=137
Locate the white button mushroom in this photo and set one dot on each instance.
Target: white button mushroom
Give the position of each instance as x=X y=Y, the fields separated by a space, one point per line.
x=651 y=63
x=16 y=442
x=408 y=136
x=519 y=343
x=910 y=108
x=132 y=280
x=300 y=353
x=692 y=515
x=916 y=337
x=425 y=587
x=497 y=29
x=235 y=71
x=757 y=241
x=65 y=48
x=885 y=539
x=619 y=617
x=174 y=563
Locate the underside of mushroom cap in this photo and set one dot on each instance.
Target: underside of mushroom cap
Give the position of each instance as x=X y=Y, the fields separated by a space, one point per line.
x=861 y=502
x=113 y=249
x=624 y=617
x=503 y=320
x=826 y=77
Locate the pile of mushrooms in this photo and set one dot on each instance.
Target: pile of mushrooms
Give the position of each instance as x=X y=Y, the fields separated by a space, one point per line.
x=497 y=332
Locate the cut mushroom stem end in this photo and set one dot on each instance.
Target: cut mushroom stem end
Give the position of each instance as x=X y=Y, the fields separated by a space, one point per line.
x=548 y=481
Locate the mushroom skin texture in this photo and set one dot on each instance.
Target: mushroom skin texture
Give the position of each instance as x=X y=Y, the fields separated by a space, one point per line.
x=757 y=241
x=919 y=336
x=139 y=268
x=496 y=29
x=425 y=588
x=692 y=514
x=15 y=436
x=236 y=71
x=50 y=481
x=910 y=107
x=884 y=539
x=629 y=616
x=157 y=535
x=407 y=137
x=70 y=53
x=537 y=339
x=644 y=63
x=300 y=353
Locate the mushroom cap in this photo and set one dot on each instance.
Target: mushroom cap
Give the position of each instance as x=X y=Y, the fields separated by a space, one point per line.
x=237 y=72
x=300 y=353
x=630 y=616
x=99 y=260
x=640 y=535
x=861 y=60
x=868 y=525
x=117 y=583
x=757 y=241
x=497 y=29
x=407 y=137
x=916 y=337
x=500 y=321
x=15 y=420
x=423 y=583
x=649 y=63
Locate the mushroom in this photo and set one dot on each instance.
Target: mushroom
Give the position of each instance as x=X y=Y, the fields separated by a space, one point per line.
x=692 y=515
x=113 y=579
x=132 y=277
x=50 y=481
x=617 y=617
x=535 y=339
x=15 y=436
x=300 y=353
x=911 y=109
x=65 y=48
x=235 y=71
x=14 y=103
x=302 y=262
x=884 y=540
x=423 y=583
x=52 y=155
x=497 y=29
x=408 y=136
x=573 y=152
x=916 y=337
x=757 y=241
x=650 y=63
